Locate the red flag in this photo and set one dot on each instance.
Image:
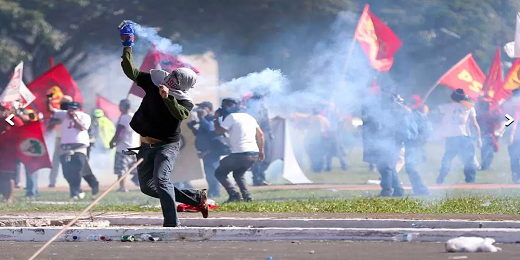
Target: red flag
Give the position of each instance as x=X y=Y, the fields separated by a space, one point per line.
x=57 y=81
x=511 y=82
x=377 y=40
x=494 y=78
x=111 y=110
x=159 y=60
x=467 y=75
x=27 y=145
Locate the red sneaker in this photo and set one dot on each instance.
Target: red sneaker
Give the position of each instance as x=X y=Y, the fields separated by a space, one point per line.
x=203 y=204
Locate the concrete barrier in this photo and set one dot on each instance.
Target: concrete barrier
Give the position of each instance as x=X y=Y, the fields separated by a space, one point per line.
x=313 y=223
x=258 y=234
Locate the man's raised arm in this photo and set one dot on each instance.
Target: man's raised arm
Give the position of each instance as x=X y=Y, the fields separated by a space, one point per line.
x=129 y=68
x=127 y=34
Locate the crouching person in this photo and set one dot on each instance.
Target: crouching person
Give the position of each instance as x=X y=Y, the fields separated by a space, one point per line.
x=247 y=147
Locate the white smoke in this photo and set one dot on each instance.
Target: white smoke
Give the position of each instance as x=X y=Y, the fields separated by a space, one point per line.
x=152 y=36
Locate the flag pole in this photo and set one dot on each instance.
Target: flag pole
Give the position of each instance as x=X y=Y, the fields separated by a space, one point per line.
x=432 y=88
x=349 y=55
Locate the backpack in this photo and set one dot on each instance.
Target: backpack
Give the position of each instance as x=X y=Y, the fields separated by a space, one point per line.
x=424 y=126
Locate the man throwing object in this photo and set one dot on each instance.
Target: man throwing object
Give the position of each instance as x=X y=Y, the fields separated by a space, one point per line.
x=165 y=104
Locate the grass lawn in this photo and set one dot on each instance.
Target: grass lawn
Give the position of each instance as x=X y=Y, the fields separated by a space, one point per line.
x=503 y=201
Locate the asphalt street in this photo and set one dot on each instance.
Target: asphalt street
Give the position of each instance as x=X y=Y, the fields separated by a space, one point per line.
x=274 y=250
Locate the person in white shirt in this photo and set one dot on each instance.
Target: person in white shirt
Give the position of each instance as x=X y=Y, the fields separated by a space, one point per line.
x=53 y=176
x=247 y=147
x=457 y=116
x=74 y=143
x=125 y=138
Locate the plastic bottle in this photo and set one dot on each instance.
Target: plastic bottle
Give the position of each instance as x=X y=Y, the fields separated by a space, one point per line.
x=406 y=237
x=93 y=238
x=127 y=239
x=71 y=238
x=148 y=237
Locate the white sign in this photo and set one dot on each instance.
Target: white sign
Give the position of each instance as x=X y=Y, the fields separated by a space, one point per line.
x=12 y=91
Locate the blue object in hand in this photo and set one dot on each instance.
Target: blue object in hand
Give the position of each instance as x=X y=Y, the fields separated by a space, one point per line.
x=126 y=31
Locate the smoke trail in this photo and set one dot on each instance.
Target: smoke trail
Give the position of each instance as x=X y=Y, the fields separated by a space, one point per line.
x=152 y=36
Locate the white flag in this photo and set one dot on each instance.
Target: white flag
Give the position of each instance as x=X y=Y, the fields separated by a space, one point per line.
x=510 y=49
x=12 y=91
x=27 y=97
x=517 y=37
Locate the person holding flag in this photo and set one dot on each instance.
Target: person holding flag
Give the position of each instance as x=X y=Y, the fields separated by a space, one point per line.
x=157 y=120
x=9 y=159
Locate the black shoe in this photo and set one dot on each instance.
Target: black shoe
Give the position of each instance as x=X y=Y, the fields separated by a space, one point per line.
x=248 y=199
x=95 y=190
x=233 y=199
x=52 y=185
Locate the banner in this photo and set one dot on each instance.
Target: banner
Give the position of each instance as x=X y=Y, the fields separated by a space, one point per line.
x=27 y=145
x=155 y=59
x=378 y=41
x=466 y=75
x=493 y=81
x=26 y=96
x=58 y=82
x=511 y=82
x=111 y=110
x=12 y=91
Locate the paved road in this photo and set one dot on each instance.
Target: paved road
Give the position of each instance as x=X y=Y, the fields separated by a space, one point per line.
x=326 y=250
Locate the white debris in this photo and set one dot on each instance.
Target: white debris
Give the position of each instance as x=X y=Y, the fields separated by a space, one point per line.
x=471 y=244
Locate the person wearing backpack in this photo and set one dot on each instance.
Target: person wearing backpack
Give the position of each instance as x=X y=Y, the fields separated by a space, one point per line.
x=415 y=152
x=396 y=127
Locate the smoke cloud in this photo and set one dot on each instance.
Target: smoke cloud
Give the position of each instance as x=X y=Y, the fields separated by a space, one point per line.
x=152 y=36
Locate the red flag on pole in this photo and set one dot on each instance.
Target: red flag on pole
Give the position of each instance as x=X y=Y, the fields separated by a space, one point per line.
x=467 y=75
x=111 y=110
x=377 y=40
x=57 y=81
x=26 y=144
x=51 y=61
x=159 y=60
x=494 y=78
x=511 y=82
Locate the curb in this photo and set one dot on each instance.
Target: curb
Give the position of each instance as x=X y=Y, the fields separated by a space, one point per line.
x=314 y=223
x=257 y=234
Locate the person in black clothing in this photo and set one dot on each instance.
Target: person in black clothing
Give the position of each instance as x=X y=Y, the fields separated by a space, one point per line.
x=209 y=145
x=165 y=104
x=255 y=106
